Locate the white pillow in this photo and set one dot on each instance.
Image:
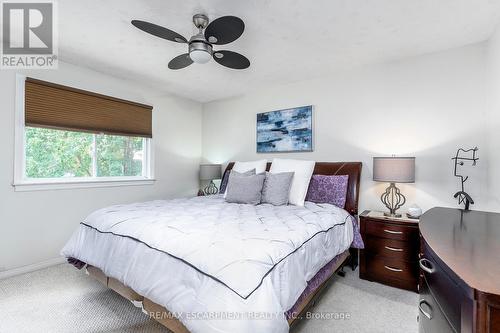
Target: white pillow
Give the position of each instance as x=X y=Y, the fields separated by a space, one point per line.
x=259 y=166
x=303 y=173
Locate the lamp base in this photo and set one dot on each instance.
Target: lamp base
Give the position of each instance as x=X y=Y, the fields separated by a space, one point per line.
x=393 y=200
x=396 y=215
x=211 y=189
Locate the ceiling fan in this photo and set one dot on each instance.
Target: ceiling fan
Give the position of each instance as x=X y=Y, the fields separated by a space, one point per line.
x=224 y=30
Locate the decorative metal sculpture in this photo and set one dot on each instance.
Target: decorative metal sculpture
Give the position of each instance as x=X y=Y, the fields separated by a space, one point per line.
x=464 y=197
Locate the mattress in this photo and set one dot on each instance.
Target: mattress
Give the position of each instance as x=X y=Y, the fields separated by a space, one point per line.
x=217 y=266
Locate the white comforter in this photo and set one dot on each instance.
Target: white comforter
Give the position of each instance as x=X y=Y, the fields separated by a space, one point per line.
x=219 y=267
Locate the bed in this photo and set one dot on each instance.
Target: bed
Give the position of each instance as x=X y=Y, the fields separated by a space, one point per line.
x=204 y=265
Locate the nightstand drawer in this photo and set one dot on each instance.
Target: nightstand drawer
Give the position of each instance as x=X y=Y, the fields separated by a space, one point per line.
x=391 y=231
x=383 y=269
x=391 y=248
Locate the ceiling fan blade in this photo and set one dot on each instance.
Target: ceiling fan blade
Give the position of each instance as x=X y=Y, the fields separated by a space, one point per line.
x=231 y=59
x=180 y=62
x=225 y=29
x=159 y=31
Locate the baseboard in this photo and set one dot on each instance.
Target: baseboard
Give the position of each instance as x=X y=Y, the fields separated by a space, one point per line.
x=31 y=268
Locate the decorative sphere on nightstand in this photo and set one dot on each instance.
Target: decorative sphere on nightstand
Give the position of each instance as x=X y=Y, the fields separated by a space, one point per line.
x=414 y=211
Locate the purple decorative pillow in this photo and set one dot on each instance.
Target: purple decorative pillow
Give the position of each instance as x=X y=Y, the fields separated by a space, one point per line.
x=328 y=189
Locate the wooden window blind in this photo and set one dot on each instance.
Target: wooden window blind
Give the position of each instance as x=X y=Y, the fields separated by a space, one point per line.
x=56 y=106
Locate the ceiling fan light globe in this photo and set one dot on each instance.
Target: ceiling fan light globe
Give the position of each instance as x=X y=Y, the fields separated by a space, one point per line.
x=200 y=56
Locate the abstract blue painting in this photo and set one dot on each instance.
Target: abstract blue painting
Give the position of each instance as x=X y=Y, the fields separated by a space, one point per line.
x=285 y=130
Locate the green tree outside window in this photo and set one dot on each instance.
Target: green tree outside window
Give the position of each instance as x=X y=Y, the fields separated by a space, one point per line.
x=56 y=153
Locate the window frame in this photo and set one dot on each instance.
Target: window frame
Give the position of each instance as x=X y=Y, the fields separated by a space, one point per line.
x=22 y=183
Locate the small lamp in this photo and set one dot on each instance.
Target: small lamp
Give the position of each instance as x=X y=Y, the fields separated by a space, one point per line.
x=210 y=172
x=393 y=170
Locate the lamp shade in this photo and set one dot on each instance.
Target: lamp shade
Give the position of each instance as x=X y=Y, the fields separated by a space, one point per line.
x=210 y=171
x=394 y=169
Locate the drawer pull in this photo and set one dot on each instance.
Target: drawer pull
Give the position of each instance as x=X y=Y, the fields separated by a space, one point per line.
x=393 y=232
x=393 y=269
x=426 y=265
x=427 y=314
x=393 y=249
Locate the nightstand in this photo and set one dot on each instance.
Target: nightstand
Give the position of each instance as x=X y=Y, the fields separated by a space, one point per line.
x=391 y=250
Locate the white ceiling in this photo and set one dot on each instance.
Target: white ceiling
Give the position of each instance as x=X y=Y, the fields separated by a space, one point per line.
x=285 y=40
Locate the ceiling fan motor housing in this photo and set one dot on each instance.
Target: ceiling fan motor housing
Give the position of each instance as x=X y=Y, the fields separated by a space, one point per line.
x=200 y=51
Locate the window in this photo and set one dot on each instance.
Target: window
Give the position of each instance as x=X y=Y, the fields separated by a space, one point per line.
x=73 y=153
x=66 y=154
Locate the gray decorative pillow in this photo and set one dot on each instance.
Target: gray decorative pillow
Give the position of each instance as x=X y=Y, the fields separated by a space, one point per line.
x=225 y=179
x=245 y=189
x=243 y=174
x=276 y=189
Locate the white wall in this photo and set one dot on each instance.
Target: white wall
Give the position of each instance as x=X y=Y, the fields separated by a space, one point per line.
x=426 y=106
x=493 y=63
x=35 y=225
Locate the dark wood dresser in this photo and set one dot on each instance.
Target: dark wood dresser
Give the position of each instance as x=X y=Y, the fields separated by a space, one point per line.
x=391 y=250
x=459 y=271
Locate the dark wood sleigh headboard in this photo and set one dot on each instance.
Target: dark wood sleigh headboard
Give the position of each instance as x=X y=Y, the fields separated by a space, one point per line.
x=352 y=169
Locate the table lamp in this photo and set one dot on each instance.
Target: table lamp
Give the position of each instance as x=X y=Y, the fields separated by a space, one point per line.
x=393 y=170
x=210 y=172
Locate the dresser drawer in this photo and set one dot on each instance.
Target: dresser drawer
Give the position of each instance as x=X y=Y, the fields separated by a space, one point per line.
x=443 y=288
x=391 y=231
x=392 y=248
x=430 y=317
x=383 y=268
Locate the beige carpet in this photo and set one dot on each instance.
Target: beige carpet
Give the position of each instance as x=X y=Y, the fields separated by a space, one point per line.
x=62 y=299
